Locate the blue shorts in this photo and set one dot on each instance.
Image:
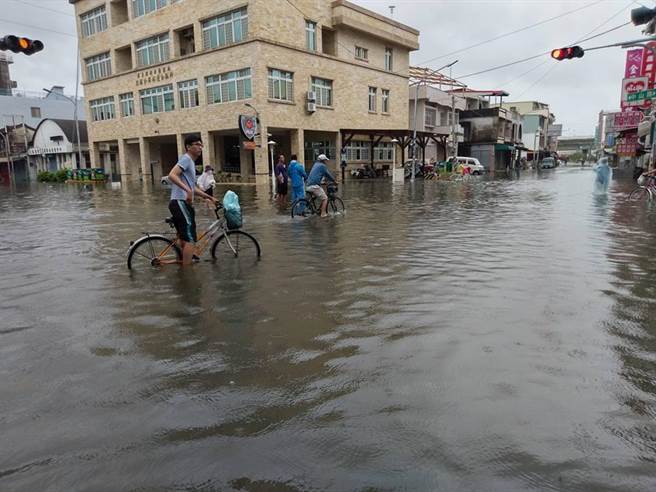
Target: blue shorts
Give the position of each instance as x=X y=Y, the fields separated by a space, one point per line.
x=184 y=218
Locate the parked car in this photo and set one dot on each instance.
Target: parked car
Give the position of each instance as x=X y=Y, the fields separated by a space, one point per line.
x=471 y=162
x=548 y=163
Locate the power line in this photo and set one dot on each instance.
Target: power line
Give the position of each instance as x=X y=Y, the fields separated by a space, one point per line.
x=512 y=32
x=43 y=8
x=37 y=27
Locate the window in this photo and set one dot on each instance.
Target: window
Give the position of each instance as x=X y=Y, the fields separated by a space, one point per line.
x=389 y=65
x=360 y=150
x=99 y=66
x=430 y=118
x=324 y=91
x=225 y=29
x=373 y=92
x=385 y=94
x=281 y=85
x=361 y=53
x=36 y=112
x=126 y=102
x=311 y=35
x=102 y=109
x=142 y=7
x=188 y=92
x=230 y=86
x=93 y=21
x=153 y=50
x=384 y=152
x=157 y=99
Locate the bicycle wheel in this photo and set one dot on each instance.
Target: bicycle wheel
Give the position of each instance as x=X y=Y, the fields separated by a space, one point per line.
x=152 y=251
x=335 y=206
x=639 y=194
x=238 y=245
x=301 y=208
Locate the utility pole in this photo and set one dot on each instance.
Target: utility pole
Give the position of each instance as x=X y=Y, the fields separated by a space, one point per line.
x=10 y=163
x=454 y=141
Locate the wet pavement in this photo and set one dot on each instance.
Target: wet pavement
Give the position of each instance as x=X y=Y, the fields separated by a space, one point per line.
x=489 y=335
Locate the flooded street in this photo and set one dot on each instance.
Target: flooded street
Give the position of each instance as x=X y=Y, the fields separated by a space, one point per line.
x=489 y=335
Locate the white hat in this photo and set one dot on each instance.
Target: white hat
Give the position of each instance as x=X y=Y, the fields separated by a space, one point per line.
x=322 y=157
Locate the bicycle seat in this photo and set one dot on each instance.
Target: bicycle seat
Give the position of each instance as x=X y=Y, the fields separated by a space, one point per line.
x=169 y=220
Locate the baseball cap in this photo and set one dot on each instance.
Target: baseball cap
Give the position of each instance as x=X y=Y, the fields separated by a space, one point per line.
x=322 y=157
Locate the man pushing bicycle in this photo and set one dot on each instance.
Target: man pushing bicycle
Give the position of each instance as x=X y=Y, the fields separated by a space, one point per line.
x=183 y=188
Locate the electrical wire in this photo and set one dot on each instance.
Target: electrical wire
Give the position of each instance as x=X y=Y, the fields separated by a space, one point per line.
x=511 y=33
x=37 y=27
x=43 y=8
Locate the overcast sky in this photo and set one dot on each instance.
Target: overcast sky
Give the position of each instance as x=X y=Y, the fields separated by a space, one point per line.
x=575 y=89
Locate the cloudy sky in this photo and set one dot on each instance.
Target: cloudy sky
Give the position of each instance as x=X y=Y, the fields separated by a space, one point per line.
x=576 y=89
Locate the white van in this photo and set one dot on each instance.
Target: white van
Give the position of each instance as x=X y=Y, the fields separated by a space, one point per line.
x=472 y=163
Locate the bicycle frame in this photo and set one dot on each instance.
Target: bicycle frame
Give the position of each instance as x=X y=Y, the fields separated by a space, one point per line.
x=219 y=225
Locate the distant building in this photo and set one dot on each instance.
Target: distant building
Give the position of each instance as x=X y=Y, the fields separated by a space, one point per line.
x=14 y=160
x=54 y=146
x=536 y=122
x=568 y=146
x=493 y=135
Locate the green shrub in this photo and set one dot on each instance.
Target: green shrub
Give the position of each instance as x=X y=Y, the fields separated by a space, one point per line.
x=56 y=177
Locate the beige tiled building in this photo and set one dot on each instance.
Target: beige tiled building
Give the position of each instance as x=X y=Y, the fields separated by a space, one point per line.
x=158 y=70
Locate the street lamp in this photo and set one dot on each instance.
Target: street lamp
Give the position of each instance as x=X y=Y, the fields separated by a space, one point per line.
x=77 y=126
x=414 y=133
x=271 y=144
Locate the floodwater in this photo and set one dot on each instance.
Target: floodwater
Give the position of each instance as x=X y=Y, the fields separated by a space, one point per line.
x=489 y=335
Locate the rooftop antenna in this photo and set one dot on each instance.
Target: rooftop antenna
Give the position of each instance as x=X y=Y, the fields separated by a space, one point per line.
x=392 y=7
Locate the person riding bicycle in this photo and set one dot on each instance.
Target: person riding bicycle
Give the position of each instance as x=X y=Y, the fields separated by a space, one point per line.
x=317 y=173
x=183 y=188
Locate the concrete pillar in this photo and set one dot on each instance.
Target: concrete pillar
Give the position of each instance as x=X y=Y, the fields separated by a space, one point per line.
x=297 y=138
x=219 y=152
x=209 y=154
x=262 y=158
x=144 y=154
x=94 y=152
x=179 y=139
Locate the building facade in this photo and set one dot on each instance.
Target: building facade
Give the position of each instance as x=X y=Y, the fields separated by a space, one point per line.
x=536 y=123
x=156 y=71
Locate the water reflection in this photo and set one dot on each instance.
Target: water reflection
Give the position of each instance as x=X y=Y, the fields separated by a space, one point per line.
x=483 y=335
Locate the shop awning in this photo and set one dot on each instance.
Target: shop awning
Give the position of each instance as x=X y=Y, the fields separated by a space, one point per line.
x=504 y=147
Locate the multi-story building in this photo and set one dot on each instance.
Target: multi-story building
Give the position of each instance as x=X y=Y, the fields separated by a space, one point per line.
x=158 y=70
x=491 y=134
x=536 y=121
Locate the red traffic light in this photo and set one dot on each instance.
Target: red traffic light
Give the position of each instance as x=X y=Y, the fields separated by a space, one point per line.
x=567 y=53
x=20 y=44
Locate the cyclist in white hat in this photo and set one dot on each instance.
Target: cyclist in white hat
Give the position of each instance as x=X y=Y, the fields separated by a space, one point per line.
x=313 y=185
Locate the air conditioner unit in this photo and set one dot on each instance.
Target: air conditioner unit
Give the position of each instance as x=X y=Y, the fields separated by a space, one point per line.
x=312 y=96
x=311 y=107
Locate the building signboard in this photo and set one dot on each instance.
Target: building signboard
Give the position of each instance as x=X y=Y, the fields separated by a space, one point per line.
x=248 y=126
x=631 y=86
x=555 y=131
x=626 y=146
x=633 y=63
x=639 y=96
x=624 y=120
x=249 y=145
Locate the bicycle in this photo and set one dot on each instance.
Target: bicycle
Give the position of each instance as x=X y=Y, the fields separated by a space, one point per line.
x=646 y=189
x=157 y=249
x=309 y=206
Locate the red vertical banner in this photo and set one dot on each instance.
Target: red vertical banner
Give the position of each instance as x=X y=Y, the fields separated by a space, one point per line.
x=634 y=65
x=649 y=64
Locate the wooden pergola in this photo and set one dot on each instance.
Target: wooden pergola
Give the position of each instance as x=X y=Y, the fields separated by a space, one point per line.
x=427 y=76
x=403 y=137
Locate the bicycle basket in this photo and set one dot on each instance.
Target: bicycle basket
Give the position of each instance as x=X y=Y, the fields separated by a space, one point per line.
x=332 y=189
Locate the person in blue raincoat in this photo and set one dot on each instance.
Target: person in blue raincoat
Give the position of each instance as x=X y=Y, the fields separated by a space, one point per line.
x=297 y=176
x=603 y=174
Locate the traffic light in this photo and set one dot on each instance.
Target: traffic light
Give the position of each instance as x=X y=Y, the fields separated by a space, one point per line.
x=567 y=53
x=20 y=44
x=644 y=15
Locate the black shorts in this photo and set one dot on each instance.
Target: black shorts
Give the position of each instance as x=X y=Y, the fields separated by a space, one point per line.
x=281 y=188
x=184 y=218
